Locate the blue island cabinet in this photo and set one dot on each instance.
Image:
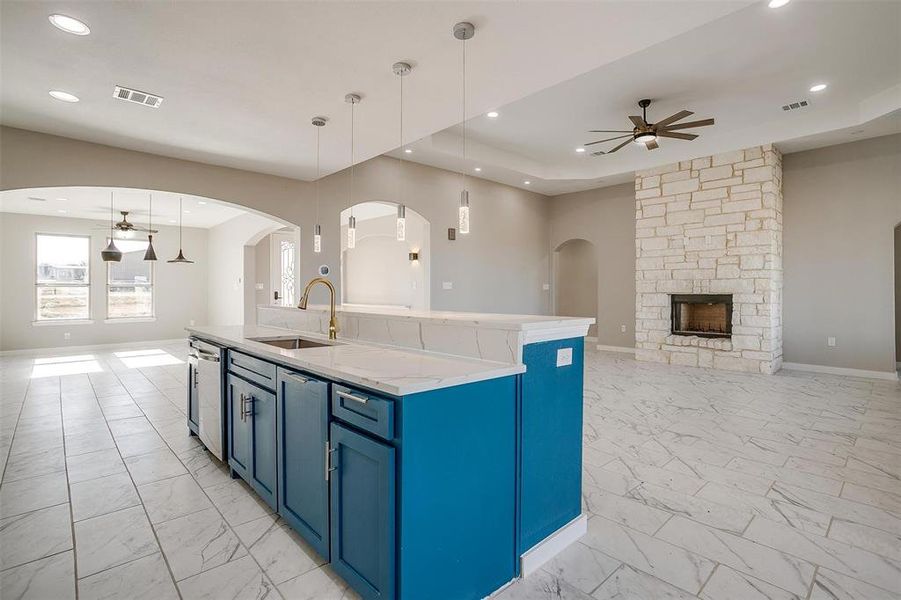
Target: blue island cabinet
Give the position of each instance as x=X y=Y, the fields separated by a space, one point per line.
x=251 y=440
x=302 y=440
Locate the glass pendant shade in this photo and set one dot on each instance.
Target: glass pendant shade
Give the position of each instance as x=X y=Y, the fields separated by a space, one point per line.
x=150 y=254
x=464 y=212
x=317 y=239
x=401 y=223
x=351 y=232
x=111 y=253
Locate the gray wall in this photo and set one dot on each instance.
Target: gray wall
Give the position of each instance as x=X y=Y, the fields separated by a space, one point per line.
x=500 y=267
x=898 y=295
x=606 y=218
x=180 y=290
x=841 y=206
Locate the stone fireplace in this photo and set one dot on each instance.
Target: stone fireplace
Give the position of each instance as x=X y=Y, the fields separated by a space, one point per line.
x=708 y=262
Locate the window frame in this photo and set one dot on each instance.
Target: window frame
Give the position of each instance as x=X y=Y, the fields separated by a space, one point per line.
x=38 y=320
x=110 y=286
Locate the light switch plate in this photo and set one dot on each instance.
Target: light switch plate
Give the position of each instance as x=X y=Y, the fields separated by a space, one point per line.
x=564 y=357
x=447 y=285
x=546 y=287
x=830 y=341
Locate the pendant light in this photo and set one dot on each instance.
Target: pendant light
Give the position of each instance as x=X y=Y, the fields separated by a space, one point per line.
x=401 y=69
x=353 y=100
x=464 y=31
x=111 y=253
x=150 y=254
x=319 y=123
x=181 y=255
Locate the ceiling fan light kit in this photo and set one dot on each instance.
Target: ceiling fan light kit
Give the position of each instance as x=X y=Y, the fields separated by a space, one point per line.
x=647 y=134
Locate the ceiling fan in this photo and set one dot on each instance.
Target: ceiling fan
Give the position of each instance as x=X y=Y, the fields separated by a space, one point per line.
x=126 y=226
x=647 y=133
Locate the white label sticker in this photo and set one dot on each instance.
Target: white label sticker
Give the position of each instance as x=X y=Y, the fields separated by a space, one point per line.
x=564 y=357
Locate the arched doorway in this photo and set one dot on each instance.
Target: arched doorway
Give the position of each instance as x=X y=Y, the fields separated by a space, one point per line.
x=380 y=270
x=576 y=280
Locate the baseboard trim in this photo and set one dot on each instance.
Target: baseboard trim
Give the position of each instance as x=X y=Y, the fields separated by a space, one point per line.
x=887 y=375
x=622 y=349
x=67 y=349
x=552 y=545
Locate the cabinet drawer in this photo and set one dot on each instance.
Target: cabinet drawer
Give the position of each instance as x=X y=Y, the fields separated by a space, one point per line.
x=364 y=410
x=252 y=369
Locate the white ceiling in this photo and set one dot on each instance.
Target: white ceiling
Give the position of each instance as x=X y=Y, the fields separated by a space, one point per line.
x=740 y=69
x=241 y=80
x=94 y=203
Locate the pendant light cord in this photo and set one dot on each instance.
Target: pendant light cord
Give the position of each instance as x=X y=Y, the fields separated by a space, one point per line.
x=150 y=215
x=352 y=157
x=180 y=213
x=400 y=179
x=317 y=174
x=463 y=166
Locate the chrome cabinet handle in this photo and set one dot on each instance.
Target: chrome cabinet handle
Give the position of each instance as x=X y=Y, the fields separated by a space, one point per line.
x=328 y=461
x=207 y=356
x=295 y=378
x=349 y=396
x=243 y=400
x=247 y=410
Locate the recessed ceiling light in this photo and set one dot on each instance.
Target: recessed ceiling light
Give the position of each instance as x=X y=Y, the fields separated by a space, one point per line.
x=172 y=220
x=478 y=169
x=201 y=202
x=527 y=182
x=69 y=24
x=778 y=3
x=492 y=115
x=63 y=199
x=818 y=87
x=187 y=212
x=580 y=150
x=63 y=96
x=61 y=210
x=408 y=151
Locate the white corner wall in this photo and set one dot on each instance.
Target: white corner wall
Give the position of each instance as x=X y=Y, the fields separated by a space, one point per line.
x=179 y=290
x=231 y=276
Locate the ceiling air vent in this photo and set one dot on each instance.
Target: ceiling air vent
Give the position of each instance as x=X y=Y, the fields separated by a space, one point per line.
x=795 y=105
x=138 y=97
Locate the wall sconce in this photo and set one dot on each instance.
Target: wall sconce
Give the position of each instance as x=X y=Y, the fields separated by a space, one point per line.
x=414 y=256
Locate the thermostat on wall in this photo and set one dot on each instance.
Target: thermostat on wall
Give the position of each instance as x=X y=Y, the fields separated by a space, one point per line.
x=324 y=270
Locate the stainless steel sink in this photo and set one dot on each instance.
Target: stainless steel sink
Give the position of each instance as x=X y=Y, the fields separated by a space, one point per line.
x=294 y=343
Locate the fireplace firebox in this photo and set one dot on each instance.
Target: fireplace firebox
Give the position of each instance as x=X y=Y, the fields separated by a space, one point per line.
x=703 y=315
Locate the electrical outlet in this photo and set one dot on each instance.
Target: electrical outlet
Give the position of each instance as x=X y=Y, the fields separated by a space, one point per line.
x=830 y=341
x=546 y=287
x=261 y=287
x=191 y=322
x=67 y=336
x=447 y=285
x=622 y=328
x=564 y=357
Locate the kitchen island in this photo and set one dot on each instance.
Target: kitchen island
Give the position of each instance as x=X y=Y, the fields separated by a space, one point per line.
x=415 y=474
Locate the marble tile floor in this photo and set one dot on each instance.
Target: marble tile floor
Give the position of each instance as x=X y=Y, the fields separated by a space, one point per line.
x=698 y=484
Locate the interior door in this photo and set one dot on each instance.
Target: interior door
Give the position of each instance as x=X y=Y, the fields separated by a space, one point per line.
x=302 y=428
x=363 y=512
x=284 y=267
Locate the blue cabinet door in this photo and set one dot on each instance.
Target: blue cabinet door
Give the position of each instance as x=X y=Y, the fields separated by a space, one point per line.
x=302 y=444
x=363 y=512
x=239 y=433
x=262 y=415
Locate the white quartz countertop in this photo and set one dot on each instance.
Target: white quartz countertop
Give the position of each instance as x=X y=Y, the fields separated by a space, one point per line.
x=494 y=320
x=390 y=370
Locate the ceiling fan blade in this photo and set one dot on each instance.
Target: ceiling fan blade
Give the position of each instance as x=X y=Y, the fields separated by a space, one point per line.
x=701 y=123
x=619 y=137
x=638 y=122
x=627 y=142
x=678 y=136
x=609 y=131
x=652 y=145
x=673 y=118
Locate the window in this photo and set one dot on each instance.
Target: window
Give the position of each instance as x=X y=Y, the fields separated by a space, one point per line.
x=62 y=277
x=130 y=283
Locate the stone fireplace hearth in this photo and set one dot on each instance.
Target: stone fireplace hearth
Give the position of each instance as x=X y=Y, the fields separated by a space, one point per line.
x=709 y=262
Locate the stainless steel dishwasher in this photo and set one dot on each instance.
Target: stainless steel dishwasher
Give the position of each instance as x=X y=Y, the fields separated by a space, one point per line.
x=206 y=387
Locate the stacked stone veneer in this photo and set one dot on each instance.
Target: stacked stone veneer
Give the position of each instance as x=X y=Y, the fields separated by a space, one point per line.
x=711 y=225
